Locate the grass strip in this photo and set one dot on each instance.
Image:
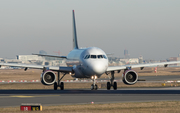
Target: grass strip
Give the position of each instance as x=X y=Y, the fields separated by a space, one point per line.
x=133 y=107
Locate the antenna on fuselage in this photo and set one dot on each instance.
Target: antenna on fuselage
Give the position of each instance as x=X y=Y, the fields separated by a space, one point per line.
x=75 y=44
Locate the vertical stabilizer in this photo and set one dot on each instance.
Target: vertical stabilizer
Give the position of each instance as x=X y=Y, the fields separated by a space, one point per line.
x=75 y=44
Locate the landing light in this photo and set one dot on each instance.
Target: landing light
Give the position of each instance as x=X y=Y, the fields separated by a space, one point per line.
x=95 y=77
x=70 y=73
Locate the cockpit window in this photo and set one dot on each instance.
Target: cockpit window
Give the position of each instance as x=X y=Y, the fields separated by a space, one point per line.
x=104 y=56
x=93 y=56
x=100 y=56
x=87 y=56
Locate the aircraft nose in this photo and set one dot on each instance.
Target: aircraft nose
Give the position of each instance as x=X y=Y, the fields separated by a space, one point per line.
x=98 y=68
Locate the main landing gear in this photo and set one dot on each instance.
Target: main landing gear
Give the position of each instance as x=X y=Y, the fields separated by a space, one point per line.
x=59 y=84
x=94 y=85
x=112 y=83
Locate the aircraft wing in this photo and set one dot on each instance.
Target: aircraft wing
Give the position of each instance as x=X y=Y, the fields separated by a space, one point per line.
x=54 y=68
x=50 y=55
x=117 y=68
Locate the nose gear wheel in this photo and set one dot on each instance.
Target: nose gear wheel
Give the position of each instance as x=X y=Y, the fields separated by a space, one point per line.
x=94 y=86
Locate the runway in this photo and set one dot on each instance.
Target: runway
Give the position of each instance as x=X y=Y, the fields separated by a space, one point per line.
x=50 y=97
x=118 y=79
x=160 y=78
x=152 y=78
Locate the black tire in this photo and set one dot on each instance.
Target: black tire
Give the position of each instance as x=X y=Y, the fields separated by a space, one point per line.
x=92 y=87
x=96 y=87
x=62 y=86
x=55 y=86
x=108 y=86
x=115 y=85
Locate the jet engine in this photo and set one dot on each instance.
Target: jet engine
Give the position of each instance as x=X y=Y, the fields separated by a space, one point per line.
x=48 y=77
x=130 y=77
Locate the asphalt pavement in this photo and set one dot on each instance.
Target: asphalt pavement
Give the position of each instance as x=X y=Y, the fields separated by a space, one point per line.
x=11 y=98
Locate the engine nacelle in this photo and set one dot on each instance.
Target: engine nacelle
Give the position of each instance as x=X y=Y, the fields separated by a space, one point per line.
x=48 y=77
x=130 y=77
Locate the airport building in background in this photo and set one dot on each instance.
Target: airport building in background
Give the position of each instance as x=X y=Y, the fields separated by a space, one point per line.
x=126 y=55
x=31 y=58
x=174 y=59
x=141 y=59
x=41 y=60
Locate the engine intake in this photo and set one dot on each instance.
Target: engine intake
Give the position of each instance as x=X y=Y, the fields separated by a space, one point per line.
x=130 y=77
x=48 y=77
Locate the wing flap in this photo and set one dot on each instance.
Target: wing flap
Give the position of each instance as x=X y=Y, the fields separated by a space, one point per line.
x=154 y=64
x=116 y=68
x=61 y=69
x=22 y=65
x=54 y=68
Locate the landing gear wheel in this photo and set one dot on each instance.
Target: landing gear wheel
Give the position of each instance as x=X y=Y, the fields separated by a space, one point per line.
x=62 y=86
x=115 y=85
x=108 y=86
x=96 y=87
x=55 y=86
x=92 y=87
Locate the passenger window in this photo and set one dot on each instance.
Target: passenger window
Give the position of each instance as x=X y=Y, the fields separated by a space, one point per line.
x=100 y=56
x=93 y=56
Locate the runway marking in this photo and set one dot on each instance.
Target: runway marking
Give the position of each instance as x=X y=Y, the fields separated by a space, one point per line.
x=47 y=95
x=22 y=96
x=27 y=96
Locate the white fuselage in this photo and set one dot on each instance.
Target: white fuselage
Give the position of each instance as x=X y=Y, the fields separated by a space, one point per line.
x=88 y=62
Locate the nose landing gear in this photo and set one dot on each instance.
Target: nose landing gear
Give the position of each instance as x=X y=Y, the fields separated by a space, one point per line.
x=94 y=85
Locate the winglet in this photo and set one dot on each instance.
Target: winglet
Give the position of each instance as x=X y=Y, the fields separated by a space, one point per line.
x=75 y=44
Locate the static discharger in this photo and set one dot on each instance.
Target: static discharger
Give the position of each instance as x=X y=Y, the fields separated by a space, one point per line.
x=31 y=107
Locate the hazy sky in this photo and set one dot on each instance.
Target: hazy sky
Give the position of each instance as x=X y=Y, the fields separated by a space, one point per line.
x=150 y=28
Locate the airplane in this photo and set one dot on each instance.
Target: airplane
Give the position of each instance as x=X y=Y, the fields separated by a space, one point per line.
x=90 y=63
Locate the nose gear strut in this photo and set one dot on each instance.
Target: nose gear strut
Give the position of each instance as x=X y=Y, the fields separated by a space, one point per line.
x=94 y=85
